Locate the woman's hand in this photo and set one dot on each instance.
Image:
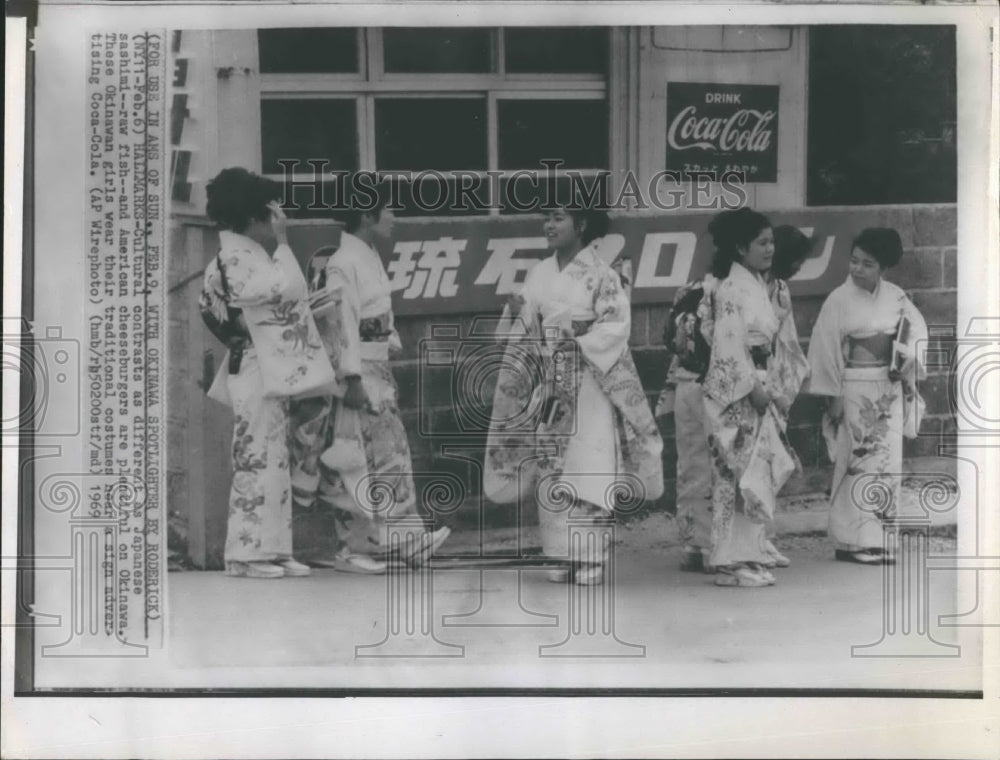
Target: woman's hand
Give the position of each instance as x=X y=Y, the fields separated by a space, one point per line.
x=279 y=222
x=356 y=397
x=760 y=398
x=835 y=410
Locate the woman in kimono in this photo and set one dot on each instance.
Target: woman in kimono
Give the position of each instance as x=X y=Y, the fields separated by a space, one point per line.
x=754 y=375
x=863 y=358
x=687 y=337
x=791 y=249
x=255 y=300
x=571 y=427
x=365 y=469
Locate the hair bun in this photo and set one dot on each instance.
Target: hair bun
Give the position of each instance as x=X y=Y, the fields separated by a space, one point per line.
x=882 y=244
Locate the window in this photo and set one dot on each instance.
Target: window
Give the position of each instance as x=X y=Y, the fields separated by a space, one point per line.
x=549 y=50
x=437 y=51
x=475 y=100
x=321 y=51
x=882 y=119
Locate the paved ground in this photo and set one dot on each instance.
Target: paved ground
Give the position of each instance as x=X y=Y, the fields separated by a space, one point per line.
x=505 y=628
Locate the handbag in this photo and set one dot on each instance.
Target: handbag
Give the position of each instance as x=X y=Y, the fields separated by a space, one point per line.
x=229 y=334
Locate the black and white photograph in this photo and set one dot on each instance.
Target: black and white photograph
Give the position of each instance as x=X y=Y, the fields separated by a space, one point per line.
x=592 y=365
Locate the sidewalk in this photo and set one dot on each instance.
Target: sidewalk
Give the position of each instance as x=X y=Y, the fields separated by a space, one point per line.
x=651 y=627
x=797 y=514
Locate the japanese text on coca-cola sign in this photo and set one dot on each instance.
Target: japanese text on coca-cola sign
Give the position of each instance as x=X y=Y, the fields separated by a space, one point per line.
x=723 y=128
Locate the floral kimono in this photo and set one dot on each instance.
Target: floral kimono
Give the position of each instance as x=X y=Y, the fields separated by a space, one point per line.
x=850 y=353
x=754 y=341
x=688 y=338
x=365 y=453
x=570 y=422
x=257 y=305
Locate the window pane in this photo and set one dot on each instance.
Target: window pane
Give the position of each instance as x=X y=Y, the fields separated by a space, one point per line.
x=309 y=129
x=430 y=133
x=574 y=131
x=428 y=51
x=305 y=51
x=556 y=50
x=881 y=115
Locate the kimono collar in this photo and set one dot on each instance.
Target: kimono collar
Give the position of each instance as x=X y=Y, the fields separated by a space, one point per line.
x=356 y=242
x=861 y=292
x=577 y=258
x=741 y=272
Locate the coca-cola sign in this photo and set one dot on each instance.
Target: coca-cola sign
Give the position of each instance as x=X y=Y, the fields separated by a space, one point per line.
x=721 y=128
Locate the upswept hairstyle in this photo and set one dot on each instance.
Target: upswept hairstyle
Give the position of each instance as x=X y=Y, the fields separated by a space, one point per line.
x=595 y=221
x=730 y=231
x=791 y=248
x=237 y=197
x=882 y=244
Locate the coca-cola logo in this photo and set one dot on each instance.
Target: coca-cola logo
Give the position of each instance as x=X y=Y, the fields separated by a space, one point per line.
x=745 y=130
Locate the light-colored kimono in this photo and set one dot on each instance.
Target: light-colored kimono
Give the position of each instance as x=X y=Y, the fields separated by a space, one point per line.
x=362 y=337
x=284 y=357
x=849 y=353
x=694 y=469
x=571 y=426
x=754 y=341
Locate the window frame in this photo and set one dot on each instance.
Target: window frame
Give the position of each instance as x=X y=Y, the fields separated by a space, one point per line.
x=373 y=82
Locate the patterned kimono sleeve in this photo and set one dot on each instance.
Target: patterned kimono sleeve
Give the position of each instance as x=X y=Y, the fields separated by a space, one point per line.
x=826 y=356
x=670 y=325
x=706 y=311
x=528 y=322
x=602 y=345
x=792 y=367
x=918 y=340
x=339 y=274
x=731 y=372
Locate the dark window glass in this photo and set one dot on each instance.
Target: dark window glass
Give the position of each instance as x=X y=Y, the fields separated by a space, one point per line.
x=308 y=51
x=438 y=51
x=430 y=133
x=881 y=115
x=309 y=129
x=573 y=131
x=556 y=50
